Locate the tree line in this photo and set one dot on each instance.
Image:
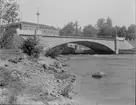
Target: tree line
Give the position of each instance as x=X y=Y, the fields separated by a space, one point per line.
x=103 y=28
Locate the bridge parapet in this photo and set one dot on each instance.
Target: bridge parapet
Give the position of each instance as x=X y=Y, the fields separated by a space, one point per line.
x=79 y=37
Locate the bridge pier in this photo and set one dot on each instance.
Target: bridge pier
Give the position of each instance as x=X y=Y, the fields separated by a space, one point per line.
x=116 y=47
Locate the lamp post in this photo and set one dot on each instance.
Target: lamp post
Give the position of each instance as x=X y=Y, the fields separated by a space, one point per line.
x=36 y=31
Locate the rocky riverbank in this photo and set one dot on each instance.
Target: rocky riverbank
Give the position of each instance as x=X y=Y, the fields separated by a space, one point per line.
x=43 y=81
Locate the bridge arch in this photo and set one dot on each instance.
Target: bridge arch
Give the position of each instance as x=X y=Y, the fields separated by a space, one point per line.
x=96 y=47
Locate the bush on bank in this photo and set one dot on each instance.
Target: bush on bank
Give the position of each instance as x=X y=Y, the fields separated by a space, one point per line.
x=5 y=40
x=54 y=52
x=31 y=47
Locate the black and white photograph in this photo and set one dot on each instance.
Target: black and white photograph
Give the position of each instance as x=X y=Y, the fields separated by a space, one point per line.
x=67 y=52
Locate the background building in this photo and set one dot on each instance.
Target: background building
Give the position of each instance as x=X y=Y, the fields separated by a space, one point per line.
x=28 y=28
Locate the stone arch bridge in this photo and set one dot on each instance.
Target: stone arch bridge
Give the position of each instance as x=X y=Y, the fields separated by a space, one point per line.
x=99 y=45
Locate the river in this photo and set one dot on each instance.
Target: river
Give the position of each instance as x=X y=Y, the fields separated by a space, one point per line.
x=117 y=87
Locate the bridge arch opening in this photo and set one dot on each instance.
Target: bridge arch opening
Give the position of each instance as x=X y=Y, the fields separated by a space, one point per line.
x=96 y=47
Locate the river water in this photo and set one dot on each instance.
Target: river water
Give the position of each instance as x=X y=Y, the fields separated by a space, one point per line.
x=117 y=87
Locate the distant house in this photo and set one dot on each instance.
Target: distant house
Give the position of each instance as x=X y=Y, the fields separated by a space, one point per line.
x=28 y=28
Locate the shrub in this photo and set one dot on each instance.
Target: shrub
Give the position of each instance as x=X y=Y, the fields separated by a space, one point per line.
x=5 y=40
x=31 y=47
x=54 y=52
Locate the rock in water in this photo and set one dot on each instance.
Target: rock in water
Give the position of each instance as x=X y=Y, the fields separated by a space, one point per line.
x=98 y=75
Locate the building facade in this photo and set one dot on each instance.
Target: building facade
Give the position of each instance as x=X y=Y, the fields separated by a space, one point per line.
x=28 y=28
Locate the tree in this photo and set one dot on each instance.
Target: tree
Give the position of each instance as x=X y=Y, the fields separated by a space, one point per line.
x=70 y=29
x=9 y=11
x=106 y=31
x=105 y=28
x=100 y=23
x=8 y=14
x=89 y=31
x=131 y=32
x=122 y=31
x=109 y=22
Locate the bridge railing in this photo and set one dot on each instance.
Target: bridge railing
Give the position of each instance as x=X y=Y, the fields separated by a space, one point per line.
x=80 y=37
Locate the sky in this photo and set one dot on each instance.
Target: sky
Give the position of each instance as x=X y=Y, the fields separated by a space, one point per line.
x=59 y=12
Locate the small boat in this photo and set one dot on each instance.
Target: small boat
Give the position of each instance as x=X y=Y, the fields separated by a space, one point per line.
x=98 y=75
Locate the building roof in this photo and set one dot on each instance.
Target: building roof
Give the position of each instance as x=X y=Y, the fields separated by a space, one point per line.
x=35 y=24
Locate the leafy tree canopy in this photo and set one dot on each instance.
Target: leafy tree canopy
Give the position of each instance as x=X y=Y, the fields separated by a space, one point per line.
x=122 y=31
x=109 y=22
x=70 y=29
x=89 y=31
x=105 y=28
x=131 y=32
x=100 y=23
x=9 y=11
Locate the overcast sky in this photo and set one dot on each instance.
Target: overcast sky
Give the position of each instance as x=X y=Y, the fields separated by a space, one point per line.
x=60 y=12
